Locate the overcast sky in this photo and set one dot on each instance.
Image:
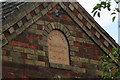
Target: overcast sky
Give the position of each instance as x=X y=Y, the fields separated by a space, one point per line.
x=105 y=20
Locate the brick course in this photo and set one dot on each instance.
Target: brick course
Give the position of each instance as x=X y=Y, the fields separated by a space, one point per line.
x=28 y=51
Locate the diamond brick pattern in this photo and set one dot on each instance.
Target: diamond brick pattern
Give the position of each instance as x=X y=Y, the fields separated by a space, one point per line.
x=29 y=44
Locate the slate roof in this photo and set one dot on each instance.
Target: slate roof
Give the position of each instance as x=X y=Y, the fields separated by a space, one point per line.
x=14 y=12
x=9 y=7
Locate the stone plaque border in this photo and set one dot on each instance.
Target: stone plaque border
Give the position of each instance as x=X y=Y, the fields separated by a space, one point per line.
x=66 y=32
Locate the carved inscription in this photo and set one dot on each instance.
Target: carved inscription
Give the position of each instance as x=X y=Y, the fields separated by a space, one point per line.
x=58 y=48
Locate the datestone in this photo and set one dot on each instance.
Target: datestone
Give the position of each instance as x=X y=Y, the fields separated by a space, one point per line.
x=58 y=48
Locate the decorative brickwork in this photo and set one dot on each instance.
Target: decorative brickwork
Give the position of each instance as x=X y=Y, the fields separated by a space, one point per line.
x=26 y=45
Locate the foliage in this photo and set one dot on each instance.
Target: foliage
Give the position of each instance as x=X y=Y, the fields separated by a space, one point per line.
x=107 y=65
x=105 y=5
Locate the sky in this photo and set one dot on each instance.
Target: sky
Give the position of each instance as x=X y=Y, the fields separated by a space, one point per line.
x=105 y=20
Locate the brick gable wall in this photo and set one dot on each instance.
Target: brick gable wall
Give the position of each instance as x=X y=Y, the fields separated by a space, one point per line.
x=27 y=54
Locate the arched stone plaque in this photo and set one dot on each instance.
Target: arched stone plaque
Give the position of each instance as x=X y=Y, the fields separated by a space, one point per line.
x=58 y=48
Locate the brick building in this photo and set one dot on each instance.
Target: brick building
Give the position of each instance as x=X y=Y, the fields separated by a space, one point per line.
x=50 y=40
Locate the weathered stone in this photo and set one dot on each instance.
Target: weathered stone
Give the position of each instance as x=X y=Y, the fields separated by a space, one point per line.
x=89 y=26
x=72 y=53
x=38 y=32
x=5 y=27
x=18 y=49
x=30 y=62
x=20 y=30
x=15 y=54
x=29 y=7
x=99 y=72
x=20 y=23
x=73 y=48
x=18 y=60
x=71 y=7
x=40 y=22
x=37 y=10
x=80 y=16
x=39 y=52
x=44 y=11
x=31 y=56
x=40 y=63
x=7 y=47
x=4 y=41
x=28 y=16
x=97 y=34
x=7 y=58
x=94 y=61
x=21 y=15
x=34 y=26
x=106 y=43
x=11 y=30
x=79 y=70
x=75 y=58
x=84 y=60
x=35 y=18
x=58 y=45
x=28 y=50
x=52 y=24
x=27 y=24
x=12 y=36
x=45 y=5
x=43 y=43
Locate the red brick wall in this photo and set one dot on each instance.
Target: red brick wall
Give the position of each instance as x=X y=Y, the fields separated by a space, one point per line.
x=27 y=55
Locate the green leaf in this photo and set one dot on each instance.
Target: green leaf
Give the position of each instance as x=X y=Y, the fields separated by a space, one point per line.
x=98 y=14
x=117 y=9
x=113 y=13
x=113 y=19
x=94 y=14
